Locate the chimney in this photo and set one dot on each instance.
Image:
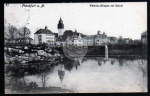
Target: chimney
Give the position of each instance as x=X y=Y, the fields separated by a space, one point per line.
x=45 y=27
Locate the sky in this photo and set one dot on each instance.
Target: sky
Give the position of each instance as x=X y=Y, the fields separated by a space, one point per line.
x=128 y=21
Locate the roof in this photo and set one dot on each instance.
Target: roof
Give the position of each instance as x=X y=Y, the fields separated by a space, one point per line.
x=126 y=39
x=59 y=38
x=43 y=31
x=60 y=24
x=74 y=36
x=90 y=37
x=112 y=38
x=56 y=34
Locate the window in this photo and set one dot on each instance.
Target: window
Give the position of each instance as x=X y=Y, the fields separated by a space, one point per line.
x=49 y=38
x=48 y=34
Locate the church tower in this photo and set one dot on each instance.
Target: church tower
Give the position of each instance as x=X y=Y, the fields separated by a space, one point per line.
x=60 y=27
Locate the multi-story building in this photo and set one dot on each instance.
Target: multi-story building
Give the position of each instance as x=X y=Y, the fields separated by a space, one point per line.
x=44 y=36
x=96 y=40
x=100 y=38
x=79 y=41
x=76 y=40
x=90 y=40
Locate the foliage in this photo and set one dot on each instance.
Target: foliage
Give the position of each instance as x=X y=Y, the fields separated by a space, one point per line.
x=24 y=32
x=10 y=32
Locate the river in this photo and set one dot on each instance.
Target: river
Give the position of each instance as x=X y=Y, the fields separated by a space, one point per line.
x=93 y=74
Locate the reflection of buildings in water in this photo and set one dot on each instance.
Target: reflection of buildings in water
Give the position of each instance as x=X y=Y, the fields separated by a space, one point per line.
x=99 y=59
x=84 y=59
x=104 y=61
x=76 y=63
x=99 y=62
x=61 y=72
x=112 y=62
x=70 y=64
x=121 y=61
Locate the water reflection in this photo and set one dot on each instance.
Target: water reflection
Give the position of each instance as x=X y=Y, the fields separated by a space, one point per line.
x=61 y=71
x=121 y=61
x=99 y=59
x=43 y=72
x=112 y=62
x=88 y=73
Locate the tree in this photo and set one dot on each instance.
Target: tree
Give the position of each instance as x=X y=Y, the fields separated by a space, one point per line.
x=10 y=32
x=24 y=33
x=120 y=40
x=45 y=72
x=6 y=34
x=140 y=66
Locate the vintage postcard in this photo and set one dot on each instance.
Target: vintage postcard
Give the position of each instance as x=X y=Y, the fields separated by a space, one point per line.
x=92 y=47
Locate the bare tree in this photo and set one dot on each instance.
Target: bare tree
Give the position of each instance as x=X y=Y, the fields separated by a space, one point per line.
x=43 y=77
x=44 y=74
x=24 y=33
x=10 y=32
x=140 y=66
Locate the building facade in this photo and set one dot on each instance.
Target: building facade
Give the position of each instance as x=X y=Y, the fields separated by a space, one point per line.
x=100 y=39
x=96 y=40
x=44 y=36
x=79 y=41
x=89 y=40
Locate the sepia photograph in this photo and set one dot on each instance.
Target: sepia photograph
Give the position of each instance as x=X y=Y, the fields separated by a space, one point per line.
x=97 y=47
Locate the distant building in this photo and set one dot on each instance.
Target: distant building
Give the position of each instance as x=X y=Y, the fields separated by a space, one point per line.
x=100 y=38
x=68 y=33
x=112 y=40
x=137 y=41
x=44 y=36
x=126 y=41
x=144 y=37
x=76 y=40
x=59 y=41
x=96 y=40
x=90 y=40
x=60 y=27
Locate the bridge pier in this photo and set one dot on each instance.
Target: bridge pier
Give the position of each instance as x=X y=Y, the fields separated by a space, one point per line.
x=106 y=51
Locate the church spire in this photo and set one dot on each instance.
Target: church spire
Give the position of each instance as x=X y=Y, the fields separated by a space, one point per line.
x=60 y=24
x=60 y=27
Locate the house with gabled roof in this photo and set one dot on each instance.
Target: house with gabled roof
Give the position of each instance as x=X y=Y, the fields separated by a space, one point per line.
x=44 y=36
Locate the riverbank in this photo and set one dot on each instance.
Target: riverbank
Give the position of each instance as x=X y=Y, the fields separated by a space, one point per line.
x=113 y=49
x=39 y=90
x=16 y=87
